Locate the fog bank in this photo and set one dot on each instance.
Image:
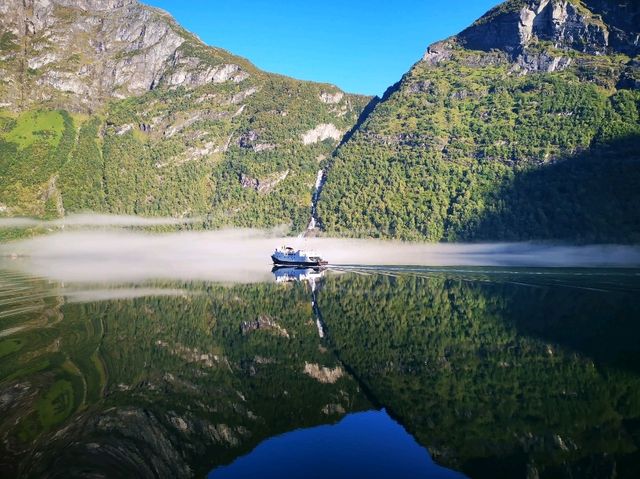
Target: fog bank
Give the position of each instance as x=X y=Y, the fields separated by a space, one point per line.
x=244 y=255
x=90 y=219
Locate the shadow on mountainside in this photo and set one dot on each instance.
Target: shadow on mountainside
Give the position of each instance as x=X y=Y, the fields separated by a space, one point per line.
x=590 y=197
x=368 y=109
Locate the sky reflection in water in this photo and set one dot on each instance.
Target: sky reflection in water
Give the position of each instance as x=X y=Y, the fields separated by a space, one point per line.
x=367 y=444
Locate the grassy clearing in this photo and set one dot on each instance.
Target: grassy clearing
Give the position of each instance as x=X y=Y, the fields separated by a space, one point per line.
x=34 y=126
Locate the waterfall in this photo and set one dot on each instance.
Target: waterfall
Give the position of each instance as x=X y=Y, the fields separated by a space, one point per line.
x=313 y=221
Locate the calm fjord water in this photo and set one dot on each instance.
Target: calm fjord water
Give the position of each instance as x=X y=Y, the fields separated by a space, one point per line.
x=353 y=372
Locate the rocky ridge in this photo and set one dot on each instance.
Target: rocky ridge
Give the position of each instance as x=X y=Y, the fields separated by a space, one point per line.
x=79 y=54
x=538 y=35
x=570 y=24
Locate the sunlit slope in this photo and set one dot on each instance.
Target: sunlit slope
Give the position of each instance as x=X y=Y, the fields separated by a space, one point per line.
x=524 y=126
x=126 y=112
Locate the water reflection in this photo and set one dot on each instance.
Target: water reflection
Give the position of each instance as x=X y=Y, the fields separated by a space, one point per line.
x=286 y=274
x=311 y=276
x=366 y=444
x=519 y=373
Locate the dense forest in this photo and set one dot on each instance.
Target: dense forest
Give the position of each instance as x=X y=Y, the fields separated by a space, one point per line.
x=53 y=163
x=469 y=150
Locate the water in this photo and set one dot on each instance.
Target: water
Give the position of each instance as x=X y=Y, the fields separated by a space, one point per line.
x=364 y=444
x=360 y=371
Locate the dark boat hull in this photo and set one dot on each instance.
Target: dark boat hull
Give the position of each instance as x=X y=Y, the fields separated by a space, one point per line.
x=280 y=262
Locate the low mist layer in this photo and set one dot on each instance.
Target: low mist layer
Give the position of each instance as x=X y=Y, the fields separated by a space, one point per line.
x=244 y=255
x=94 y=220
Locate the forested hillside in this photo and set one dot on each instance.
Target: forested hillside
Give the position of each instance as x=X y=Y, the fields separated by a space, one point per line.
x=524 y=126
x=110 y=106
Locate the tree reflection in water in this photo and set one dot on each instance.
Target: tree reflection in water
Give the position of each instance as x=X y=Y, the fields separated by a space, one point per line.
x=497 y=373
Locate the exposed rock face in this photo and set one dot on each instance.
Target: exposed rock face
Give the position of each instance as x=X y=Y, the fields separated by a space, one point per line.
x=567 y=24
x=144 y=447
x=95 y=4
x=333 y=409
x=193 y=355
x=437 y=53
x=322 y=373
x=243 y=95
x=249 y=140
x=630 y=77
x=518 y=27
x=188 y=73
x=623 y=22
x=542 y=61
x=320 y=133
x=132 y=442
x=331 y=98
x=93 y=50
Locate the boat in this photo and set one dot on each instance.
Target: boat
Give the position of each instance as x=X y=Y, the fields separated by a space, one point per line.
x=287 y=256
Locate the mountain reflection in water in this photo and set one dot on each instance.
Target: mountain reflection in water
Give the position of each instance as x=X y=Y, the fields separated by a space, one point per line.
x=490 y=372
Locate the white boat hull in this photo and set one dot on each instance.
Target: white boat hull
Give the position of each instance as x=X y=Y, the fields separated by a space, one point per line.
x=296 y=262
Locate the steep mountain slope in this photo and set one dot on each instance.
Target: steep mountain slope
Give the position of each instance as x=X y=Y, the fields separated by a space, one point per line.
x=523 y=126
x=109 y=105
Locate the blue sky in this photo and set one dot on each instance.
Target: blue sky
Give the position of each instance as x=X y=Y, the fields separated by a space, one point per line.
x=363 y=46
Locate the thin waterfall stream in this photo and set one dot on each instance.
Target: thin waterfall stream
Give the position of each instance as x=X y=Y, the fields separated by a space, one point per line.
x=313 y=221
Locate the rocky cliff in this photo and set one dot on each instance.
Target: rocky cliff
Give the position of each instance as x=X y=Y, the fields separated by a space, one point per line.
x=524 y=126
x=596 y=26
x=77 y=54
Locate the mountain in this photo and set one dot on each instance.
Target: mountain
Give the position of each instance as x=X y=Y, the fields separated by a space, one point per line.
x=523 y=126
x=111 y=106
